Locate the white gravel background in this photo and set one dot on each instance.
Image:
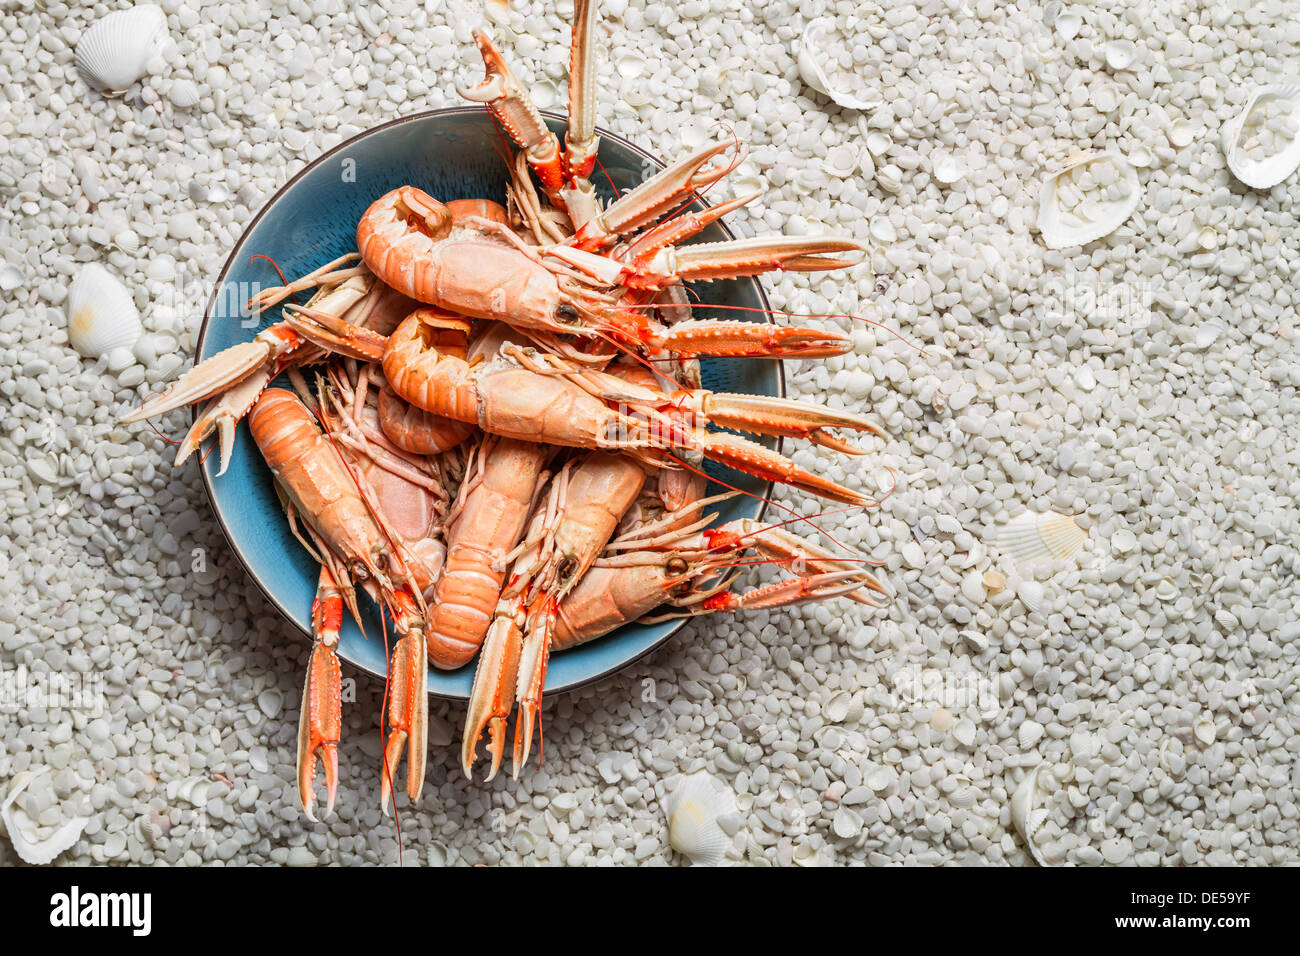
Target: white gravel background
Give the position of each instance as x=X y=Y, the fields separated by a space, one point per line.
x=1143 y=384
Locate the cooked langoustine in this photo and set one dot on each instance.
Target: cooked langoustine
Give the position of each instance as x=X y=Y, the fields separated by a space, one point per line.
x=528 y=395
x=355 y=548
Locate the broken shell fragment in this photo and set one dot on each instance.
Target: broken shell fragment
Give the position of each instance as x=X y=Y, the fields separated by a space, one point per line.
x=1181 y=133
x=947 y=169
x=24 y=833
x=1026 y=818
x=1120 y=54
x=1261 y=144
x=1087 y=200
x=813 y=61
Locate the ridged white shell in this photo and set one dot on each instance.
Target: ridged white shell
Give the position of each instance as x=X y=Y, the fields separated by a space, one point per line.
x=1025 y=817
x=812 y=59
x=1040 y=537
x=116 y=50
x=184 y=94
x=23 y=832
x=1069 y=216
x=694 y=807
x=101 y=313
x=1259 y=171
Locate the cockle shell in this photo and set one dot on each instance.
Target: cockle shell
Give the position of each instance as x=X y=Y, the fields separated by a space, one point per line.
x=116 y=50
x=1033 y=537
x=1087 y=200
x=1025 y=817
x=184 y=94
x=694 y=807
x=1262 y=144
x=101 y=313
x=23 y=832
x=812 y=67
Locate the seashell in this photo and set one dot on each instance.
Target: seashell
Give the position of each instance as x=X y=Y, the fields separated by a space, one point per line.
x=1025 y=817
x=1206 y=335
x=184 y=94
x=878 y=143
x=978 y=642
x=813 y=58
x=947 y=169
x=23 y=831
x=965 y=732
x=44 y=468
x=1037 y=537
x=1207 y=239
x=270 y=701
x=942 y=720
x=1123 y=541
x=837 y=708
x=1087 y=200
x=1205 y=730
x=994 y=582
x=841 y=161
x=1106 y=98
x=1120 y=54
x=694 y=807
x=630 y=64
x=1261 y=143
x=1166 y=590
x=11 y=277
x=847 y=823
x=1068 y=24
x=805 y=855
x=1181 y=133
x=881 y=779
x=1141 y=157
x=882 y=230
x=545 y=94
x=890 y=178
x=117 y=49
x=101 y=313
x=1031 y=595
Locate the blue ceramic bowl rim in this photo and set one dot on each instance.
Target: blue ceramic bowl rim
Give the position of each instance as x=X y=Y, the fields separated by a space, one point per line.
x=213 y=301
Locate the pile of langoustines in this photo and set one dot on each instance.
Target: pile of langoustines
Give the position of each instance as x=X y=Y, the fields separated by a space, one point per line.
x=504 y=439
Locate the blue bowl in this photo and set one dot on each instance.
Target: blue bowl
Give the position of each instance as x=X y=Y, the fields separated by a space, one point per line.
x=451 y=154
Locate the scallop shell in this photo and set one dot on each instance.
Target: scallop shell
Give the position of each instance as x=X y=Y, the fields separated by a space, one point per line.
x=23 y=832
x=1248 y=158
x=694 y=807
x=116 y=50
x=1086 y=200
x=101 y=313
x=1025 y=817
x=1048 y=536
x=812 y=60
